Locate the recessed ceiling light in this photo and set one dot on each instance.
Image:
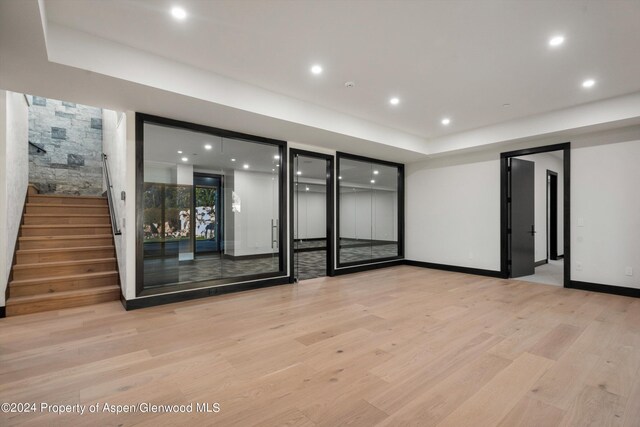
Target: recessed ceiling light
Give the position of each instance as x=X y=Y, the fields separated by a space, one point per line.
x=299 y=173
x=246 y=166
x=178 y=13
x=233 y=160
x=276 y=157
x=446 y=121
x=208 y=147
x=373 y=181
x=556 y=41
x=339 y=177
x=316 y=69
x=273 y=170
x=184 y=159
x=179 y=151
x=376 y=172
x=307 y=189
x=277 y=166
x=588 y=83
x=394 y=101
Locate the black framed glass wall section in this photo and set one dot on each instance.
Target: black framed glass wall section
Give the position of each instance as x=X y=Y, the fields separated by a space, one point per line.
x=210 y=205
x=370 y=210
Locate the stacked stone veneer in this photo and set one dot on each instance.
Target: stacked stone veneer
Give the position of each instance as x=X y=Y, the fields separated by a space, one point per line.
x=70 y=138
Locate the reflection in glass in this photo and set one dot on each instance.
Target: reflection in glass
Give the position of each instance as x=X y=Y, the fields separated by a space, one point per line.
x=210 y=209
x=309 y=217
x=368 y=214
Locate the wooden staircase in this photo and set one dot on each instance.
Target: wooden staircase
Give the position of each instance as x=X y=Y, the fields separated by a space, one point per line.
x=65 y=255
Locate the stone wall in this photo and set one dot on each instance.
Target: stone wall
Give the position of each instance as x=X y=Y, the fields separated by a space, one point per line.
x=69 y=140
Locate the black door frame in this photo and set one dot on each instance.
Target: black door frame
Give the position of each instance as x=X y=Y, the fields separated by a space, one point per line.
x=329 y=205
x=219 y=212
x=552 y=215
x=504 y=205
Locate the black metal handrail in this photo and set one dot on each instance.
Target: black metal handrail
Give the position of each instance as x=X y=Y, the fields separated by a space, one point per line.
x=37 y=147
x=110 y=199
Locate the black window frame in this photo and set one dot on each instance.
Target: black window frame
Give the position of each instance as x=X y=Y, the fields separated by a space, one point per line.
x=400 y=167
x=248 y=281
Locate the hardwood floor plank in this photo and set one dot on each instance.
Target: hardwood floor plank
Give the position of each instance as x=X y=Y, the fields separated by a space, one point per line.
x=500 y=395
x=398 y=346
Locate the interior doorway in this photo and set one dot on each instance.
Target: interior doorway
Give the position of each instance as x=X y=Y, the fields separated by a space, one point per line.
x=535 y=245
x=311 y=190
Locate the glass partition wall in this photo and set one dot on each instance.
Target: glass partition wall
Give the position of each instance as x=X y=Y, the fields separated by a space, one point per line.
x=210 y=207
x=370 y=210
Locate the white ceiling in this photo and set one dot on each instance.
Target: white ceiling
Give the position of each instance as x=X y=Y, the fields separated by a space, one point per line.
x=462 y=59
x=455 y=58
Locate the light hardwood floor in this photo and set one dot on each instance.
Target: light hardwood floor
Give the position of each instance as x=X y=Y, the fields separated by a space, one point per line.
x=398 y=346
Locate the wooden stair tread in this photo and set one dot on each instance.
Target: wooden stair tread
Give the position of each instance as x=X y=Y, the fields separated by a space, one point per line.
x=66 y=196
x=62 y=263
x=100 y=274
x=64 y=215
x=75 y=236
x=55 y=250
x=62 y=205
x=41 y=226
x=63 y=295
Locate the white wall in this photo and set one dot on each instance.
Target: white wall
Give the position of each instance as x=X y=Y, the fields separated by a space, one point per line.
x=453 y=207
x=369 y=215
x=605 y=213
x=311 y=218
x=14 y=177
x=544 y=162
x=453 y=212
x=259 y=201
x=114 y=145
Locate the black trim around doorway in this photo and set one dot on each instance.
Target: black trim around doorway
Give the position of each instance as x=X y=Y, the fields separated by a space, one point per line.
x=329 y=206
x=504 y=210
x=240 y=282
x=372 y=263
x=552 y=215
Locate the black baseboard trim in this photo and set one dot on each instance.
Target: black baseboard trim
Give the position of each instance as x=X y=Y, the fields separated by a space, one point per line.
x=559 y=257
x=542 y=262
x=162 y=299
x=456 y=269
x=310 y=239
x=319 y=248
x=3 y=312
x=607 y=289
x=246 y=257
x=367 y=267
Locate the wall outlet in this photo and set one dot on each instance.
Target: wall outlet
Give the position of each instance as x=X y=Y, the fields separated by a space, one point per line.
x=628 y=271
x=578 y=266
x=580 y=222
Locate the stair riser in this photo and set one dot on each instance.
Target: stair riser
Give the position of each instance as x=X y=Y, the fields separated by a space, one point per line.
x=45 y=243
x=14 y=309
x=65 y=210
x=71 y=231
x=67 y=200
x=63 y=255
x=37 y=272
x=64 y=220
x=60 y=286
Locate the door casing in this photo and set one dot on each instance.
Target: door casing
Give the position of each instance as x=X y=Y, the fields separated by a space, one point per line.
x=504 y=249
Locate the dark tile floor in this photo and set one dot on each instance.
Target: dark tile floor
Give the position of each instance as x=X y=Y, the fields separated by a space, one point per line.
x=308 y=263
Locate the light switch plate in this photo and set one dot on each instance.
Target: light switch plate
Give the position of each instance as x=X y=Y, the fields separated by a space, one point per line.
x=628 y=271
